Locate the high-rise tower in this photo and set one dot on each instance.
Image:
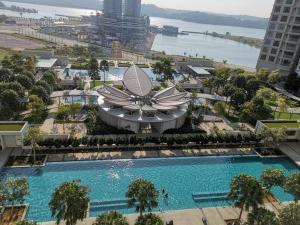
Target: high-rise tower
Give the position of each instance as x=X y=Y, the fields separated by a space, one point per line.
x=112 y=8
x=132 y=8
x=281 y=48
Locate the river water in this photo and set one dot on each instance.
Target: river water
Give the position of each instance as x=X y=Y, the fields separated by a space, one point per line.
x=192 y=44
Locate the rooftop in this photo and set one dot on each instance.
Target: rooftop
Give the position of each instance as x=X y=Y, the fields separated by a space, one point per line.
x=11 y=126
x=199 y=70
x=282 y=124
x=137 y=81
x=46 y=63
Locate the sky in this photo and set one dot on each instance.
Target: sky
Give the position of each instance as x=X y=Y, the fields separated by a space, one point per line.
x=260 y=8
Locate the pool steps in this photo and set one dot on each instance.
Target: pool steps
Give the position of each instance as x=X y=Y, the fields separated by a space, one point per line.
x=205 y=196
x=109 y=204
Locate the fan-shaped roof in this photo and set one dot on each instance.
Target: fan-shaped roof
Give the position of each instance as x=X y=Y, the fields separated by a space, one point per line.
x=137 y=81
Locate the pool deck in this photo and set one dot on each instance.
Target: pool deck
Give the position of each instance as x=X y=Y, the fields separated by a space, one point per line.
x=146 y=154
x=292 y=150
x=214 y=215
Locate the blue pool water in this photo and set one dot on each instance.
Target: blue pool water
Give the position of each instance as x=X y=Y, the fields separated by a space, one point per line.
x=81 y=99
x=180 y=177
x=116 y=73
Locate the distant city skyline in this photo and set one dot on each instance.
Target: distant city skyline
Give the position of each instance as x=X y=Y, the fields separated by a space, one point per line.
x=261 y=8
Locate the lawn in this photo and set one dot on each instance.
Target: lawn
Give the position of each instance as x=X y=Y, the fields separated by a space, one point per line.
x=273 y=125
x=11 y=127
x=286 y=116
x=4 y=52
x=99 y=83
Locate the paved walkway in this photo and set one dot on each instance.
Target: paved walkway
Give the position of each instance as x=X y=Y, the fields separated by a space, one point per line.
x=292 y=150
x=146 y=154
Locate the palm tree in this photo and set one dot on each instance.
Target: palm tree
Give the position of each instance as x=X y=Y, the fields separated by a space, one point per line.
x=290 y=215
x=292 y=185
x=272 y=177
x=70 y=202
x=94 y=69
x=142 y=194
x=34 y=135
x=246 y=192
x=149 y=219
x=262 y=216
x=111 y=218
x=104 y=66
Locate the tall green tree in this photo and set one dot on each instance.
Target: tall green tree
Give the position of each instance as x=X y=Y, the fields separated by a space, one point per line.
x=70 y=202
x=10 y=100
x=34 y=136
x=238 y=98
x=272 y=177
x=164 y=67
x=94 y=69
x=290 y=215
x=262 y=216
x=142 y=194
x=246 y=192
x=41 y=92
x=25 y=81
x=6 y=75
x=111 y=218
x=37 y=108
x=17 y=189
x=292 y=185
x=104 y=67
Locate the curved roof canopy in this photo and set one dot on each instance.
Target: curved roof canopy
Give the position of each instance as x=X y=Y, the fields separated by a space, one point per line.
x=137 y=81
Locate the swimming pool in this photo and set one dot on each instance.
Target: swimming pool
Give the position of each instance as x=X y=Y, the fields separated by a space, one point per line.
x=117 y=73
x=180 y=177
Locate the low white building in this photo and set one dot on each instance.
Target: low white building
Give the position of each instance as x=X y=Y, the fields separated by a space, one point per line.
x=12 y=134
x=138 y=108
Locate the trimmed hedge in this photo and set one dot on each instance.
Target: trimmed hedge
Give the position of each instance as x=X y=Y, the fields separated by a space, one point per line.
x=198 y=139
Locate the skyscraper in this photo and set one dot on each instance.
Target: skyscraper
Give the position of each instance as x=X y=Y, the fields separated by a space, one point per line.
x=281 y=48
x=132 y=8
x=112 y=8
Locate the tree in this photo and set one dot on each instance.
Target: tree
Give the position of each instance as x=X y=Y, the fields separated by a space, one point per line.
x=272 y=137
x=25 y=81
x=104 y=66
x=274 y=77
x=238 y=98
x=37 y=108
x=220 y=108
x=29 y=75
x=149 y=219
x=143 y=193
x=41 y=93
x=62 y=114
x=262 y=216
x=10 y=100
x=164 y=67
x=272 y=177
x=292 y=83
x=17 y=189
x=94 y=70
x=255 y=110
x=292 y=185
x=239 y=81
x=3 y=195
x=228 y=91
x=246 y=192
x=50 y=77
x=111 y=218
x=17 y=87
x=282 y=105
x=34 y=136
x=252 y=87
x=262 y=75
x=6 y=75
x=45 y=85
x=290 y=215
x=70 y=202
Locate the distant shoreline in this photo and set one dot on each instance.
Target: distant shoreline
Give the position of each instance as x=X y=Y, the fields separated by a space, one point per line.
x=98 y=8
